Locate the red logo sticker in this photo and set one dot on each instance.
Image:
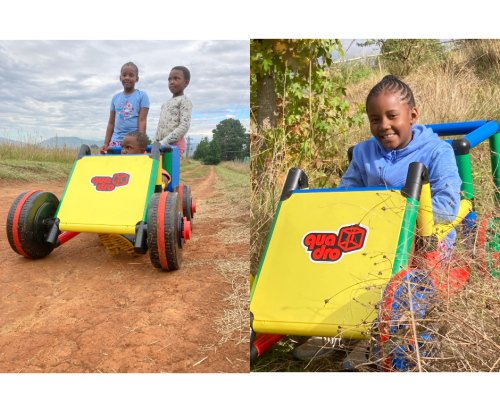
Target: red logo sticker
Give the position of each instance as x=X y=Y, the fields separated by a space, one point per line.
x=109 y=183
x=330 y=246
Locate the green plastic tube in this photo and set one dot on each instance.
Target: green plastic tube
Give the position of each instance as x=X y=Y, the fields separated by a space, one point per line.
x=495 y=162
x=465 y=172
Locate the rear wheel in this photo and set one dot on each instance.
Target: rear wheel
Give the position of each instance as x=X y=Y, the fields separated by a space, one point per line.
x=28 y=223
x=165 y=227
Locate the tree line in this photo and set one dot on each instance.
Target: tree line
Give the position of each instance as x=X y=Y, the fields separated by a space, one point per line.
x=230 y=141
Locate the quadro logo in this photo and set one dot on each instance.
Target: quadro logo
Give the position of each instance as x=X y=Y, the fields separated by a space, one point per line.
x=330 y=246
x=109 y=183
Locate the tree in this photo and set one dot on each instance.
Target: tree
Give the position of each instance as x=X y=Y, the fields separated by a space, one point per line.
x=208 y=152
x=213 y=156
x=149 y=141
x=310 y=113
x=402 y=56
x=201 y=149
x=231 y=136
x=94 y=146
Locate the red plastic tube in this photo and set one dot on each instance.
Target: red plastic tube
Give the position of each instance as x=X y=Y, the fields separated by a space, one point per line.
x=65 y=236
x=262 y=342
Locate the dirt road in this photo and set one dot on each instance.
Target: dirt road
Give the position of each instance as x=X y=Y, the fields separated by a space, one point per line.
x=83 y=310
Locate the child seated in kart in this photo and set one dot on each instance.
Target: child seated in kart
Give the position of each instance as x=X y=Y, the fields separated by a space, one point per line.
x=133 y=143
x=136 y=143
x=384 y=160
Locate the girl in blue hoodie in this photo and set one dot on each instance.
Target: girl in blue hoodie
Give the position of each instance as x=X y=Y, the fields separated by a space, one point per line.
x=384 y=159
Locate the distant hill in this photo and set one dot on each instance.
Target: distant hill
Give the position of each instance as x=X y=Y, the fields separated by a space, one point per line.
x=73 y=142
x=6 y=140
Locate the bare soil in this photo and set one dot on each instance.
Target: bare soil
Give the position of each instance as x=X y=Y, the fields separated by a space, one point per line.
x=82 y=310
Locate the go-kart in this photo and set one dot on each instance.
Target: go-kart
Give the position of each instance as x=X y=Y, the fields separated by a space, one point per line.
x=115 y=195
x=363 y=263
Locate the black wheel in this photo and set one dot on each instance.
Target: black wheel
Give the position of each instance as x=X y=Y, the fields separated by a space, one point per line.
x=187 y=204
x=27 y=225
x=165 y=227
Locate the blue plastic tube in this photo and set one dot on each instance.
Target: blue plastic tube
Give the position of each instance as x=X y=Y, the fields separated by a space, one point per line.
x=456 y=128
x=165 y=148
x=480 y=134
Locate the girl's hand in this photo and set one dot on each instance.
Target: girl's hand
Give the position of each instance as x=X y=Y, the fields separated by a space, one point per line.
x=165 y=179
x=104 y=149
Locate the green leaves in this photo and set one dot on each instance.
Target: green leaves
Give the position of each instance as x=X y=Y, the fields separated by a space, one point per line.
x=312 y=112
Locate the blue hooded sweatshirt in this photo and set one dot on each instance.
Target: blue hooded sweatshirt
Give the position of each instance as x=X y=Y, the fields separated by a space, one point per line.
x=374 y=165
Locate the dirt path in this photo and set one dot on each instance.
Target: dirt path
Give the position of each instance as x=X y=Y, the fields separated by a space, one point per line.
x=83 y=310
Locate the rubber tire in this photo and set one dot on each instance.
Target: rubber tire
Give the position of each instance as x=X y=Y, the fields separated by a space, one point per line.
x=173 y=249
x=31 y=232
x=186 y=204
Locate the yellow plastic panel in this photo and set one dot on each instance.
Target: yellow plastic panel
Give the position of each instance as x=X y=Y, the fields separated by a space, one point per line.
x=85 y=208
x=297 y=295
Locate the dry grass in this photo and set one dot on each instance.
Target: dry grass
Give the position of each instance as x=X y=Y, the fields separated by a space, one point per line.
x=237 y=166
x=230 y=209
x=466 y=325
x=31 y=151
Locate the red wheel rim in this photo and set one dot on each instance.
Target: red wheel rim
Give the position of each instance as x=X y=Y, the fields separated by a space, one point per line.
x=160 y=231
x=186 y=233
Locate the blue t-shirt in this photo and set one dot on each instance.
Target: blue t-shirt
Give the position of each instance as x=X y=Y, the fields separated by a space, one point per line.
x=127 y=112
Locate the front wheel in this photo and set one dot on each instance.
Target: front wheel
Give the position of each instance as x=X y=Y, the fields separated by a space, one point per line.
x=28 y=223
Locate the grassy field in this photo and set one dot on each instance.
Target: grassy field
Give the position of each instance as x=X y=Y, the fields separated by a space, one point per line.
x=461 y=87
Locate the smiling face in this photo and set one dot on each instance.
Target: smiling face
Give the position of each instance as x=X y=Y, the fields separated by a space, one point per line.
x=177 y=83
x=391 y=120
x=129 y=78
x=130 y=145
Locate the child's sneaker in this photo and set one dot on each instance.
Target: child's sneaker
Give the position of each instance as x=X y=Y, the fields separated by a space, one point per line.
x=115 y=242
x=317 y=348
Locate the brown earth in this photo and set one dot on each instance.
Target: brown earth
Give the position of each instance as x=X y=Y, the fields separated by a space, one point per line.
x=83 y=310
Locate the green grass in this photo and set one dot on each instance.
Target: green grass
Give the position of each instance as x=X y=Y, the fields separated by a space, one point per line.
x=233 y=180
x=194 y=175
x=34 y=171
x=189 y=166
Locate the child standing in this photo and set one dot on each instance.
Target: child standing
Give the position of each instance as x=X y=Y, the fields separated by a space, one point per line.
x=384 y=161
x=129 y=109
x=175 y=116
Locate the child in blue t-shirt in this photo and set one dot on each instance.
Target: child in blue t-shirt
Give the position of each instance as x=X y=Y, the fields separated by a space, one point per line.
x=384 y=161
x=129 y=109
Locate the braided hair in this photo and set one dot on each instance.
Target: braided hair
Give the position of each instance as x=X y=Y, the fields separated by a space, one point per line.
x=140 y=137
x=185 y=71
x=391 y=84
x=131 y=64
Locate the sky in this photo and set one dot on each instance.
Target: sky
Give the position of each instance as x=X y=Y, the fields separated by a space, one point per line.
x=65 y=87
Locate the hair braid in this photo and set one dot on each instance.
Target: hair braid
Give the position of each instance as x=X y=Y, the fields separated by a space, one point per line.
x=391 y=84
x=131 y=64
